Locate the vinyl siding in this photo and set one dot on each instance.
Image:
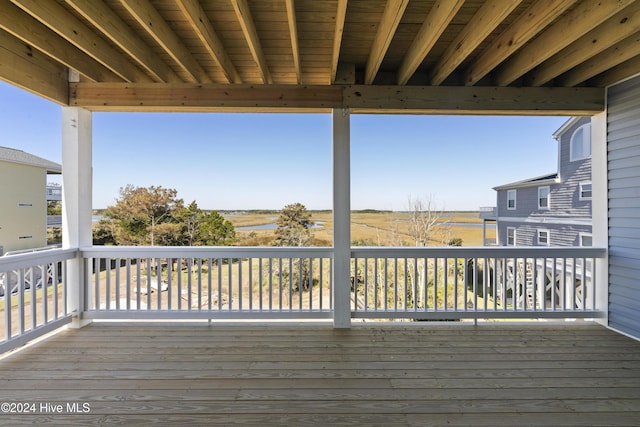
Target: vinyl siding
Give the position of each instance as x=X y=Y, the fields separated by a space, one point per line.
x=623 y=159
x=527 y=234
x=566 y=199
x=564 y=205
x=23 y=211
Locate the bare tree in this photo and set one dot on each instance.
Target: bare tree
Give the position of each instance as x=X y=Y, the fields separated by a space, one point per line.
x=423 y=217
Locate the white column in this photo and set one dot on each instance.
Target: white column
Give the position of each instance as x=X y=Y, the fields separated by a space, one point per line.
x=600 y=208
x=341 y=219
x=76 y=199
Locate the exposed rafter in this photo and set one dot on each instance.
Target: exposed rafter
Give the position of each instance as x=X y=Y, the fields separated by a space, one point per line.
x=27 y=68
x=433 y=26
x=341 y=13
x=533 y=20
x=28 y=30
x=618 y=73
x=488 y=17
x=616 y=29
x=615 y=55
x=204 y=29
x=153 y=23
x=565 y=31
x=104 y=19
x=67 y=26
x=293 y=34
x=358 y=98
x=391 y=17
x=243 y=14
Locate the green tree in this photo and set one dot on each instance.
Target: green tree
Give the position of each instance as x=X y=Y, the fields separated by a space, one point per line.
x=104 y=232
x=293 y=226
x=293 y=229
x=139 y=211
x=200 y=228
x=190 y=219
x=214 y=230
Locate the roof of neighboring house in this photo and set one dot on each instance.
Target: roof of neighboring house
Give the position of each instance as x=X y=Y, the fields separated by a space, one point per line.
x=531 y=182
x=566 y=125
x=18 y=156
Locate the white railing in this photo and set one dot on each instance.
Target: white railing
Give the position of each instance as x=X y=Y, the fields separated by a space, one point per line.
x=458 y=283
x=293 y=283
x=208 y=282
x=33 y=295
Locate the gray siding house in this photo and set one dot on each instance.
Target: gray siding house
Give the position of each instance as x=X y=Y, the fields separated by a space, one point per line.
x=554 y=209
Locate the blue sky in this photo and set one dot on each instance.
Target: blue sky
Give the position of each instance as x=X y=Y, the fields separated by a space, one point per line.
x=265 y=161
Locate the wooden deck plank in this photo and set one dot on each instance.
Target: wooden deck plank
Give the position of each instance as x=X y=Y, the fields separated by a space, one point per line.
x=310 y=374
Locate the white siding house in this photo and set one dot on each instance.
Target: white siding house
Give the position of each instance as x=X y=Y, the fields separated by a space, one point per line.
x=554 y=209
x=24 y=193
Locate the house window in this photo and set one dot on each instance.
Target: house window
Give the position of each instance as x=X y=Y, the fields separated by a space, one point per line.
x=511 y=236
x=543 y=237
x=543 y=197
x=581 y=143
x=585 y=191
x=511 y=199
x=586 y=239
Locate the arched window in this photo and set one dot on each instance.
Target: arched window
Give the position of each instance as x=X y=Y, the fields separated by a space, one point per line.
x=581 y=143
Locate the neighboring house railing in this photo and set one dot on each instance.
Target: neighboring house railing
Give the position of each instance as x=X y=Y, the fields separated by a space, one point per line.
x=54 y=220
x=294 y=283
x=488 y=212
x=33 y=295
x=54 y=192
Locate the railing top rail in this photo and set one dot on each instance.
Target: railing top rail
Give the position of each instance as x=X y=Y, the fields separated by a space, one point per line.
x=14 y=262
x=205 y=252
x=356 y=252
x=478 y=252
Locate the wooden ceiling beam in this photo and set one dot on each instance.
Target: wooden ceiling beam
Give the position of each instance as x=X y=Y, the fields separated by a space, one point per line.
x=116 y=30
x=474 y=100
x=561 y=34
x=212 y=97
x=243 y=14
x=202 y=26
x=488 y=17
x=616 y=29
x=358 y=98
x=293 y=34
x=70 y=28
x=439 y=17
x=618 y=73
x=341 y=14
x=387 y=27
x=533 y=20
x=615 y=55
x=150 y=19
x=27 y=68
x=30 y=31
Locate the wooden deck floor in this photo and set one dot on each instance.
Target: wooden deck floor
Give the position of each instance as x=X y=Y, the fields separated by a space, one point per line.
x=310 y=374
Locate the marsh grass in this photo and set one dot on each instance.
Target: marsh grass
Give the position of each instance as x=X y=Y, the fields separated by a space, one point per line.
x=368 y=229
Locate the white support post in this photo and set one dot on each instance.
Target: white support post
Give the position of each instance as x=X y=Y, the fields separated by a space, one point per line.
x=600 y=209
x=341 y=219
x=76 y=200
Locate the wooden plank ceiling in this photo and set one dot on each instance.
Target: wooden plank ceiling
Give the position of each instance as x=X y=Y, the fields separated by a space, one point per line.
x=442 y=56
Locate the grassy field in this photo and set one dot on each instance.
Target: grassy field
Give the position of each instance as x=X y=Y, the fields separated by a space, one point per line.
x=369 y=228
